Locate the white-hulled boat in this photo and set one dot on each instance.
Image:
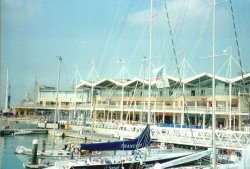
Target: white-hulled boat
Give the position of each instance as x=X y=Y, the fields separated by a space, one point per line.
x=128 y=154
x=48 y=153
x=22 y=132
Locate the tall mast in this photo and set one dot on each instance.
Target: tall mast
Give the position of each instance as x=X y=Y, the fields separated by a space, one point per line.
x=149 y=64
x=213 y=91
x=57 y=90
x=75 y=90
x=74 y=81
x=230 y=89
x=122 y=73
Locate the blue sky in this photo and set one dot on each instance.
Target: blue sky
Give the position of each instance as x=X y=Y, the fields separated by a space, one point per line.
x=34 y=32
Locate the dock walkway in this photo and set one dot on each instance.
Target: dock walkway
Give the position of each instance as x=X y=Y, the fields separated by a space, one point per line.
x=4 y=132
x=97 y=137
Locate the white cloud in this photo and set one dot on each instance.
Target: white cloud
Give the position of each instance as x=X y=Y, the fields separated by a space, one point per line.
x=194 y=9
x=140 y=17
x=18 y=11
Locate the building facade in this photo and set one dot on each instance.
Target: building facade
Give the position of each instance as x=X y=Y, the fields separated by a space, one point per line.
x=185 y=103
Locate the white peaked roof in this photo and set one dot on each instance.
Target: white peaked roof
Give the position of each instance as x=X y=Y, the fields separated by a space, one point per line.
x=173 y=80
x=107 y=83
x=100 y=84
x=238 y=79
x=203 y=77
x=104 y=83
x=136 y=81
x=85 y=84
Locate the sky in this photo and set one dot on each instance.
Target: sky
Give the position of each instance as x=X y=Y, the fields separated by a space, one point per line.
x=35 y=32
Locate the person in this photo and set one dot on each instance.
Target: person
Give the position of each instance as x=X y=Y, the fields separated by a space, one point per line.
x=80 y=153
x=43 y=146
x=123 y=163
x=72 y=153
x=65 y=147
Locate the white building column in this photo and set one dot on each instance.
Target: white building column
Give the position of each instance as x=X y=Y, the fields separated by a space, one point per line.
x=122 y=104
x=163 y=117
x=230 y=106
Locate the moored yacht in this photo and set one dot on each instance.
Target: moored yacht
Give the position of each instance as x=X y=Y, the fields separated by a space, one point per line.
x=130 y=154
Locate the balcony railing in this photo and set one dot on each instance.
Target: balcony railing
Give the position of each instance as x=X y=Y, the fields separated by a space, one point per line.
x=140 y=107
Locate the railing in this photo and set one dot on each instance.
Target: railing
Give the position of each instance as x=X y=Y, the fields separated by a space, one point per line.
x=225 y=139
x=162 y=108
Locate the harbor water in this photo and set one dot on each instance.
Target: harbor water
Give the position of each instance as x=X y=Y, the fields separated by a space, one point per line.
x=8 y=145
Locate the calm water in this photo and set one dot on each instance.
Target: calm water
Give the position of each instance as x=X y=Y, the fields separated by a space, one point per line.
x=8 y=145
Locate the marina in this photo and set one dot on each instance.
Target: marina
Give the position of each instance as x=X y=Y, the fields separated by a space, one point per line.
x=173 y=110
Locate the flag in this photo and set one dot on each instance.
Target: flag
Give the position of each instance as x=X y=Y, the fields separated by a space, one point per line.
x=227 y=50
x=160 y=77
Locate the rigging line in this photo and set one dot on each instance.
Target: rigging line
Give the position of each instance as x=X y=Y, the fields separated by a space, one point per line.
x=181 y=18
x=239 y=56
x=197 y=44
x=222 y=67
x=237 y=64
x=108 y=35
x=236 y=40
x=228 y=68
x=229 y=38
x=178 y=70
x=178 y=19
x=117 y=37
x=165 y=50
x=172 y=41
x=132 y=99
x=140 y=40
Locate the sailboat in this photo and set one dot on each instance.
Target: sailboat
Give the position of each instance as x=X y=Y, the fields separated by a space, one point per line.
x=133 y=158
x=141 y=141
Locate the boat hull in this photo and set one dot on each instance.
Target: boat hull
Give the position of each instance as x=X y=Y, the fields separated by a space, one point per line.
x=22 y=133
x=130 y=165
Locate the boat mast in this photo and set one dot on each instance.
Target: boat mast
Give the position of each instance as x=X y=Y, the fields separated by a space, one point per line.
x=74 y=81
x=57 y=90
x=149 y=64
x=213 y=92
x=92 y=111
x=230 y=89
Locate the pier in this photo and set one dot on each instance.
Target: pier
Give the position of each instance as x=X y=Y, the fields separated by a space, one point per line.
x=4 y=132
x=225 y=139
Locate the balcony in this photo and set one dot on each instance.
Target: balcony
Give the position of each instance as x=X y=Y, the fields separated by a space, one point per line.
x=139 y=107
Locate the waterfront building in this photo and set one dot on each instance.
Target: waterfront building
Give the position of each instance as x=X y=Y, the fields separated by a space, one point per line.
x=120 y=101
